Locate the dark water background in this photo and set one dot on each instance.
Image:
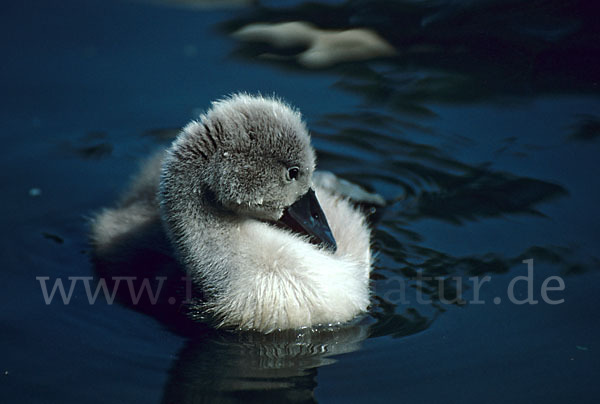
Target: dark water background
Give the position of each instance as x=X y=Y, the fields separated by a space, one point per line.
x=482 y=132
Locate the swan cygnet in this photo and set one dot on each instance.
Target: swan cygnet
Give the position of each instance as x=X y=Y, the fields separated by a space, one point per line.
x=269 y=248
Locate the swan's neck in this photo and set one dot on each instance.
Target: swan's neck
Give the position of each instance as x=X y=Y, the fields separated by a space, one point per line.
x=194 y=222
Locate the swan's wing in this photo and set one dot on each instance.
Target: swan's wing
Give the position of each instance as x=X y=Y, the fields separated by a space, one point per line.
x=330 y=182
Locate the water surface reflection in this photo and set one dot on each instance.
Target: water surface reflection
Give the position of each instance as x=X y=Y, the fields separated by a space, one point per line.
x=282 y=366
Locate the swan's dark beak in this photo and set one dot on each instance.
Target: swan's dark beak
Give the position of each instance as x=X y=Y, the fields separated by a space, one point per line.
x=305 y=216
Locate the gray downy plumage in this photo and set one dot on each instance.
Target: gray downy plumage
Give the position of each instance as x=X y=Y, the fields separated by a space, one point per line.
x=218 y=191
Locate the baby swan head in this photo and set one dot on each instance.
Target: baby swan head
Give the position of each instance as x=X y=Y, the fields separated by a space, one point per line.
x=264 y=161
x=249 y=155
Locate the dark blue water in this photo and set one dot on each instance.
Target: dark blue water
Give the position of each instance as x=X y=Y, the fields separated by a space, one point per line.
x=482 y=132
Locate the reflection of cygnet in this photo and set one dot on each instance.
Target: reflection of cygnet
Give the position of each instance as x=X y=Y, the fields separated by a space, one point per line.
x=236 y=201
x=277 y=367
x=325 y=47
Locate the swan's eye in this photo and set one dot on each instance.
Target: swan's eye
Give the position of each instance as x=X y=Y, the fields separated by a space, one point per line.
x=292 y=173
